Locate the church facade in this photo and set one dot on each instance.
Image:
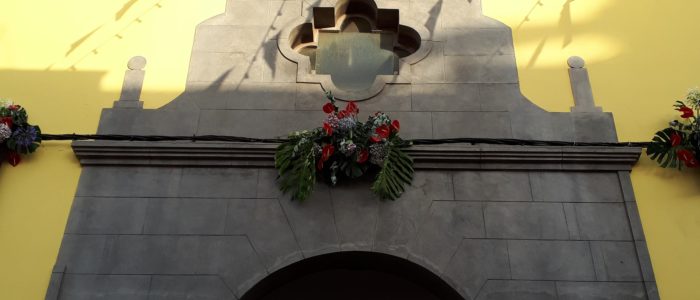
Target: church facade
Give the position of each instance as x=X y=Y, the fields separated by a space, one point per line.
x=174 y=220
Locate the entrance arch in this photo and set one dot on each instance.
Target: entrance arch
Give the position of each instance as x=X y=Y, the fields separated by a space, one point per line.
x=353 y=275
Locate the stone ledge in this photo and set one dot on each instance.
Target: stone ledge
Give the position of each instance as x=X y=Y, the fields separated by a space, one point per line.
x=443 y=157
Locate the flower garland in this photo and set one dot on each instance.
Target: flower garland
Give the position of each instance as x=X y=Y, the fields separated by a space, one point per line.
x=679 y=145
x=16 y=135
x=345 y=147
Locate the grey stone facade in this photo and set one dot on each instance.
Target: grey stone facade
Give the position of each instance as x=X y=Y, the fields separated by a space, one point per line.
x=206 y=221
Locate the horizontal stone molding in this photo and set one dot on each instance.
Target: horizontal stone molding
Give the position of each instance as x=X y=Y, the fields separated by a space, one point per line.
x=435 y=157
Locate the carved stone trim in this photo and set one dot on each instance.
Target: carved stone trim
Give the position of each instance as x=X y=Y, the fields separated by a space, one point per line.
x=448 y=157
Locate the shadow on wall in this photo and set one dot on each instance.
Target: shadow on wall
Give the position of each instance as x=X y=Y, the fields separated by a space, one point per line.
x=55 y=91
x=554 y=38
x=565 y=26
x=262 y=65
x=62 y=101
x=431 y=23
x=541 y=36
x=77 y=52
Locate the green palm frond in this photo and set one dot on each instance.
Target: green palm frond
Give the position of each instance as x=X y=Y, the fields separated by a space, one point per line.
x=395 y=175
x=297 y=173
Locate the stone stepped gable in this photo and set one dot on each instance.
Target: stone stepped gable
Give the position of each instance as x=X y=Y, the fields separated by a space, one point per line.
x=198 y=220
x=465 y=85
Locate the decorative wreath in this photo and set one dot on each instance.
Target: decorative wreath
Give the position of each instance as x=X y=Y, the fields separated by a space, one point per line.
x=679 y=145
x=345 y=148
x=16 y=135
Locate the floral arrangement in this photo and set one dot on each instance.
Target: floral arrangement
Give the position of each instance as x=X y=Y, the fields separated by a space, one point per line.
x=679 y=145
x=16 y=135
x=344 y=147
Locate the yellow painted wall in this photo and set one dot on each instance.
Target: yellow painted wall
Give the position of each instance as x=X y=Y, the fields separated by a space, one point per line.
x=64 y=61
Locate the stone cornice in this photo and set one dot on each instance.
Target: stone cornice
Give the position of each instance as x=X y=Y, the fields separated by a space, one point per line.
x=442 y=157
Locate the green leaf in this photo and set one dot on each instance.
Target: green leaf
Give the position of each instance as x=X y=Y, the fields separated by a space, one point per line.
x=297 y=173
x=396 y=173
x=662 y=151
x=356 y=171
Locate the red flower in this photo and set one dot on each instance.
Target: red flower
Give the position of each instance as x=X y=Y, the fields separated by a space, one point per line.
x=351 y=108
x=14 y=107
x=395 y=126
x=363 y=156
x=7 y=121
x=342 y=114
x=328 y=129
x=327 y=152
x=676 y=139
x=375 y=139
x=383 y=131
x=328 y=108
x=687 y=112
x=13 y=158
x=684 y=154
x=688 y=158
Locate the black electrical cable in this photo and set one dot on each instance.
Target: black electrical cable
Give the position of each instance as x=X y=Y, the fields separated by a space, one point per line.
x=221 y=138
x=155 y=138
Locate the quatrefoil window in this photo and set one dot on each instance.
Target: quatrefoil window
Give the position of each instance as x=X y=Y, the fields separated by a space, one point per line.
x=354 y=48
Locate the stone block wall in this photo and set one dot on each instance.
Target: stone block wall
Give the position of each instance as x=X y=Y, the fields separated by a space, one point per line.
x=173 y=233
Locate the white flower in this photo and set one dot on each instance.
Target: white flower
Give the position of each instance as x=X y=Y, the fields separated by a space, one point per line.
x=379 y=119
x=5 y=132
x=332 y=120
x=694 y=97
x=377 y=153
x=347 y=147
x=5 y=103
x=347 y=124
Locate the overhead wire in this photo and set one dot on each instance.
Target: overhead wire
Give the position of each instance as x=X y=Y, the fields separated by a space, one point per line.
x=237 y=139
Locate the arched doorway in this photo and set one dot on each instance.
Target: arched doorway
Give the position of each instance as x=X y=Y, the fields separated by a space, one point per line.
x=353 y=275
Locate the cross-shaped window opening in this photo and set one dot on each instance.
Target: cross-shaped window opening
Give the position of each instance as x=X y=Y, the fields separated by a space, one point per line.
x=355 y=42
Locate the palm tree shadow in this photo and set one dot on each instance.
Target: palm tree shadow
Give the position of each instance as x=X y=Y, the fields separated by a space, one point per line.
x=566 y=24
x=75 y=45
x=431 y=23
x=537 y=53
x=537 y=4
x=120 y=14
x=270 y=54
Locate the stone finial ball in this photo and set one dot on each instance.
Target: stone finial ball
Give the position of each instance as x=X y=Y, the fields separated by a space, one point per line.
x=137 y=63
x=576 y=62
